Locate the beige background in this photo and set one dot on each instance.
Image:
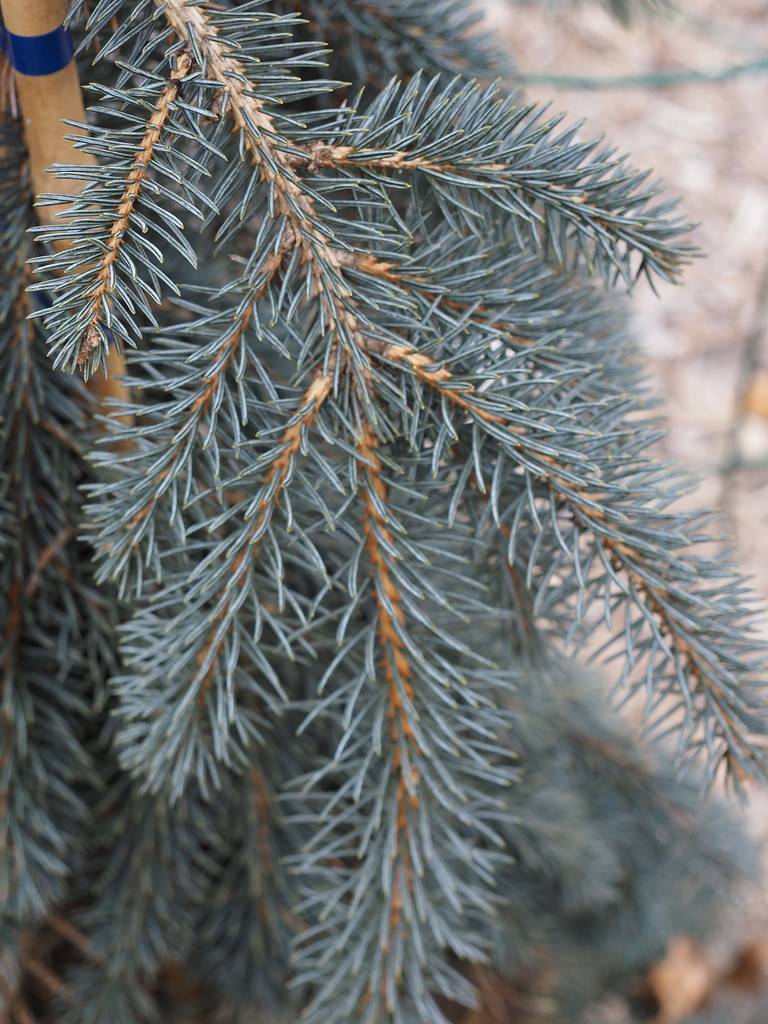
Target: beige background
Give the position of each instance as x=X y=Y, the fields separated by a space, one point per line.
x=709 y=143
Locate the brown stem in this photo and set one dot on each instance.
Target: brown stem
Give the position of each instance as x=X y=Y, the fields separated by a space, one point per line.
x=102 y=292
x=192 y=25
x=274 y=481
x=221 y=360
x=321 y=154
x=395 y=665
x=48 y=555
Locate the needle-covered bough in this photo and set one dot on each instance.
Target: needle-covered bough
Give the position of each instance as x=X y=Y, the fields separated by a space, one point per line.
x=291 y=712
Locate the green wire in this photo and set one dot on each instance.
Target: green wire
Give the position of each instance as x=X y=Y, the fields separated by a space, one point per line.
x=653 y=79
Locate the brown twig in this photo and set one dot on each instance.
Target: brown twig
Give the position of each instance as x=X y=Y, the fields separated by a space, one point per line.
x=192 y=25
x=102 y=292
x=395 y=664
x=47 y=555
x=273 y=484
x=71 y=934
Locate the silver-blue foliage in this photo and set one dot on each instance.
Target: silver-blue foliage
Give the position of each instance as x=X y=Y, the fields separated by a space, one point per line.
x=383 y=463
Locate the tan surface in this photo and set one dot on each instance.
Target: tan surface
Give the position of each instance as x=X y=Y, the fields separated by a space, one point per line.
x=45 y=100
x=33 y=17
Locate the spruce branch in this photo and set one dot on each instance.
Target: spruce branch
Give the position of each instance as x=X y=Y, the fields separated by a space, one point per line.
x=410 y=704
x=102 y=264
x=384 y=451
x=246 y=923
x=204 y=664
x=467 y=141
x=105 y=275
x=723 y=718
x=176 y=432
x=396 y=670
x=400 y=37
x=260 y=138
x=237 y=572
x=53 y=627
x=473 y=146
x=140 y=905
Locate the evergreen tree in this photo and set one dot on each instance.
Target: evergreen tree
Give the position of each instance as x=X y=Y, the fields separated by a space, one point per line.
x=294 y=720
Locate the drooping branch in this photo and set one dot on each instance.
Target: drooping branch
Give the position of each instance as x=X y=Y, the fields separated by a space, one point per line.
x=394 y=663
x=470 y=142
x=730 y=719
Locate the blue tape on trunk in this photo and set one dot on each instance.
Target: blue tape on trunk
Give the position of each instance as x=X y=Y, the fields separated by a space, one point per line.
x=38 y=55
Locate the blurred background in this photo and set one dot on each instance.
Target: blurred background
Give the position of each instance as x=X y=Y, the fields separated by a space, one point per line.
x=706 y=340
x=706 y=137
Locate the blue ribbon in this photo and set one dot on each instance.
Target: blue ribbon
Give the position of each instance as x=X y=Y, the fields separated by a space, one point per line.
x=38 y=55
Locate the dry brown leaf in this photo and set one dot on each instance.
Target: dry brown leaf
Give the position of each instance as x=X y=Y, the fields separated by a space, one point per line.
x=682 y=981
x=756 y=398
x=750 y=967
